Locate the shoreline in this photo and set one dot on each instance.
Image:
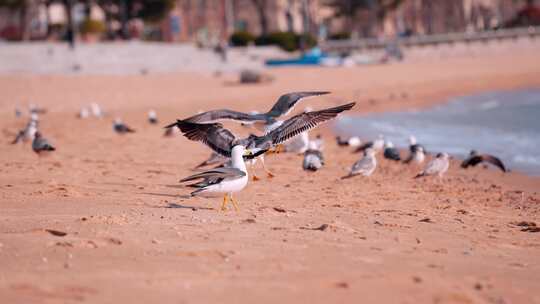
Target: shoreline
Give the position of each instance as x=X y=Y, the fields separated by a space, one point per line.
x=388 y=237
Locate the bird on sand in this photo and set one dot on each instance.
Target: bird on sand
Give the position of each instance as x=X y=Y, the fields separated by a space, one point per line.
x=221 y=140
x=365 y=166
x=416 y=155
x=353 y=141
x=313 y=157
x=227 y=180
x=29 y=131
x=152 y=117
x=476 y=158
x=438 y=166
x=120 y=127
x=377 y=145
x=391 y=152
x=264 y=121
x=40 y=144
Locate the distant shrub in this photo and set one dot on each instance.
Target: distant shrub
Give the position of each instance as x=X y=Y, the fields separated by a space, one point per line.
x=90 y=26
x=286 y=40
x=340 y=36
x=241 y=38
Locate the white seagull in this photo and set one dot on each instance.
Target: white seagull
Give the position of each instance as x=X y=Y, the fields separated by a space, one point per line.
x=365 y=166
x=438 y=166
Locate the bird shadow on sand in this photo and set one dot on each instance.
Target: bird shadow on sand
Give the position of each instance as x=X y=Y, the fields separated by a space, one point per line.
x=180 y=206
x=167 y=195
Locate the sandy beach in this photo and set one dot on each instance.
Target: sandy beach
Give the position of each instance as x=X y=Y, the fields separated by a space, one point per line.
x=132 y=234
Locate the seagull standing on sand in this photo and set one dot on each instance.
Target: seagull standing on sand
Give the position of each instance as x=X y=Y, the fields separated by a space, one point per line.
x=221 y=140
x=83 y=113
x=438 y=166
x=416 y=155
x=120 y=127
x=365 y=166
x=96 y=110
x=227 y=180
x=264 y=121
x=313 y=158
x=475 y=158
x=152 y=117
x=377 y=145
x=29 y=131
x=353 y=141
x=391 y=152
x=40 y=145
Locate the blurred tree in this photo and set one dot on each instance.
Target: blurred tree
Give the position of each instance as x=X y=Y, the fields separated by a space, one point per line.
x=350 y=8
x=260 y=7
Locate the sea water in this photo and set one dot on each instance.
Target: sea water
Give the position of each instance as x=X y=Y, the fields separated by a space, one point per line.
x=505 y=124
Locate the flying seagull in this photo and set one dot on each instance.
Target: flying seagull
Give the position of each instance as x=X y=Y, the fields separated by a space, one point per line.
x=365 y=166
x=227 y=180
x=283 y=106
x=438 y=166
x=120 y=127
x=221 y=140
x=475 y=158
x=390 y=152
x=40 y=144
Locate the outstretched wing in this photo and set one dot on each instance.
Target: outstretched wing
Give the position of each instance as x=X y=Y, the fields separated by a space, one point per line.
x=224 y=114
x=213 y=135
x=286 y=103
x=304 y=122
x=494 y=161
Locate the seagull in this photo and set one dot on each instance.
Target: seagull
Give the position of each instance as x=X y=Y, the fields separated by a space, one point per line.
x=377 y=145
x=353 y=141
x=29 y=131
x=152 y=117
x=365 y=166
x=313 y=157
x=96 y=110
x=83 y=113
x=414 y=145
x=416 y=156
x=41 y=145
x=120 y=127
x=438 y=166
x=266 y=121
x=221 y=140
x=227 y=180
x=390 y=152
x=214 y=159
x=475 y=158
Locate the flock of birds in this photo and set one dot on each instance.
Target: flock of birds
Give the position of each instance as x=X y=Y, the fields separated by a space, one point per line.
x=231 y=155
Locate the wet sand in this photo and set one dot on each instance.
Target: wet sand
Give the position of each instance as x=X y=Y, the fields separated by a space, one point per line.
x=134 y=236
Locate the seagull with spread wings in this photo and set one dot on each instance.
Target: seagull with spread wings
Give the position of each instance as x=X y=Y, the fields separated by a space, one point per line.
x=265 y=121
x=475 y=158
x=221 y=140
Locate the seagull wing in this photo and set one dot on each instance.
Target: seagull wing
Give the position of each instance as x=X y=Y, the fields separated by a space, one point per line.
x=213 y=135
x=286 y=103
x=304 y=122
x=216 y=174
x=471 y=161
x=224 y=114
x=494 y=161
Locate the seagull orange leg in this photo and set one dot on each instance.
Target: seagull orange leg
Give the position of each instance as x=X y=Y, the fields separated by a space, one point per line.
x=224 y=204
x=234 y=203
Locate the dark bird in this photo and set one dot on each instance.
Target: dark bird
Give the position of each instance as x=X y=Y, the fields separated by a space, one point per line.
x=377 y=145
x=475 y=158
x=121 y=127
x=40 y=144
x=391 y=152
x=417 y=152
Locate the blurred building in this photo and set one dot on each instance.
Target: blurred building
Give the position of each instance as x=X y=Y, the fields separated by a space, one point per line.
x=216 y=19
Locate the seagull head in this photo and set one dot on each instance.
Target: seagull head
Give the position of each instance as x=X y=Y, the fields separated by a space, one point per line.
x=117 y=121
x=152 y=114
x=412 y=140
x=388 y=144
x=370 y=152
x=442 y=155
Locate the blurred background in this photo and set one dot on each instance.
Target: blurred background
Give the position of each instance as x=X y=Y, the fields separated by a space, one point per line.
x=258 y=22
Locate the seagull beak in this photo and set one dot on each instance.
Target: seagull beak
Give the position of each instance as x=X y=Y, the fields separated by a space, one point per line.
x=248 y=153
